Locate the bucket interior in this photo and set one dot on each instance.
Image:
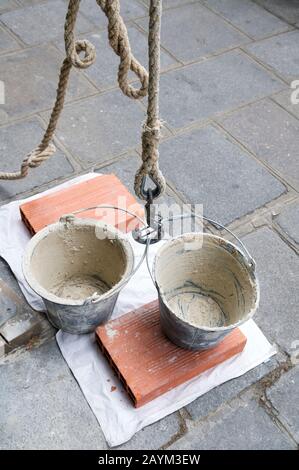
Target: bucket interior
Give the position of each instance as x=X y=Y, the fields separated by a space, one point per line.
x=205 y=281
x=74 y=262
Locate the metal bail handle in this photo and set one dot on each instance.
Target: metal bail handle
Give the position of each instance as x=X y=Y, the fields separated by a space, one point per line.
x=250 y=261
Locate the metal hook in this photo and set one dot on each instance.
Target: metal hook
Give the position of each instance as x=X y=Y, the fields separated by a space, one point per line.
x=154 y=231
x=155 y=193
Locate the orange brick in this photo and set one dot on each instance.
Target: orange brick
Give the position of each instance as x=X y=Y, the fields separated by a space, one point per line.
x=103 y=189
x=147 y=363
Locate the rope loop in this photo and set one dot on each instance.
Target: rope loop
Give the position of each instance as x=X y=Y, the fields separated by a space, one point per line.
x=89 y=57
x=119 y=41
x=73 y=47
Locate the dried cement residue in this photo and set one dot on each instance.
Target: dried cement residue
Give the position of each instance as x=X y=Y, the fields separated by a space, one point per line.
x=80 y=287
x=110 y=331
x=73 y=263
x=206 y=284
x=197 y=309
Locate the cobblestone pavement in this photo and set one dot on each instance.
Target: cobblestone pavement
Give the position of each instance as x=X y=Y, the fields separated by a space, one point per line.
x=230 y=141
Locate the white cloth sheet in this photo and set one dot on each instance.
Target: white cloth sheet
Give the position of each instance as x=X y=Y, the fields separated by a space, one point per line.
x=114 y=411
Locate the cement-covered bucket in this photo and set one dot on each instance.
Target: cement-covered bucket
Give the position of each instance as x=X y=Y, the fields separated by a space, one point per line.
x=206 y=286
x=78 y=267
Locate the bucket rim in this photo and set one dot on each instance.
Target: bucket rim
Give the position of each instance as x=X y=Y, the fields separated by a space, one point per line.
x=251 y=274
x=43 y=233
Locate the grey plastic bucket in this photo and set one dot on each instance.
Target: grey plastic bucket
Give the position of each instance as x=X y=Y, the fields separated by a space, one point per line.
x=206 y=288
x=78 y=267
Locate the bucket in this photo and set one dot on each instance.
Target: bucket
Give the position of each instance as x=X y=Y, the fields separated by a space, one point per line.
x=206 y=288
x=78 y=267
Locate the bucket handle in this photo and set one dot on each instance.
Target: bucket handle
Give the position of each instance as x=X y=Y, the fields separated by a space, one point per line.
x=245 y=252
x=67 y=218
x=249 y=259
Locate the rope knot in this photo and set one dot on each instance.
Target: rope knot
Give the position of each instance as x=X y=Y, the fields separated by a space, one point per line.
x=39 y=155
x=89 y=50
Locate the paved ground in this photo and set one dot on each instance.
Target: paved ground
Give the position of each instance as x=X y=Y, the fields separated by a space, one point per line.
x=231 y=142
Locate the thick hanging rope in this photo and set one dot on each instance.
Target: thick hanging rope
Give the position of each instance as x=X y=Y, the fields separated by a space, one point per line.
x=118 y=38
x=152 y=127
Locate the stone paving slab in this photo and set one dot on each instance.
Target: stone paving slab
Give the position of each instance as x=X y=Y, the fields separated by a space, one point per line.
x=278 y=273
x=286 y=9
x=156 y=435
x=2 y=347
x=129 y=10
x=11 y=301
x=249 y=17
x=41 y=23
x=42 y=406
x=40 y=381
x=99 y=128
x=30 y=77
x=7 y=43
x=220 y=84
x=220 y=173
x=16 y=140
x=270 y=133
x=171 y=3
x=284 y=397
x=103 y=72
x=284 y=99
x=20 y=329
x=280 y=53
x=214 y=34
x=217 y=397
x=31 y=2
x=18 y=322
x=242 y=426
x=7 y=5
x=288 y=221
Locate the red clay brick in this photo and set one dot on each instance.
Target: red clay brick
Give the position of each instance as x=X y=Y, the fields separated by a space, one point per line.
x=104 y=189
x=147 y=363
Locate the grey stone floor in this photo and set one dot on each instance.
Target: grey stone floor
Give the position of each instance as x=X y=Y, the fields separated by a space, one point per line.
x=230 y=141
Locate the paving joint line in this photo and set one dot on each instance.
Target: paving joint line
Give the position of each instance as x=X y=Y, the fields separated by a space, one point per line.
x=275 y=173
x=272 y=99
x=253 y=40
x=268 y=68
x=217 y=13
x=268 y=381
x=274 y=14
x=12 y=34
x=73 y=159
x=183 y=430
